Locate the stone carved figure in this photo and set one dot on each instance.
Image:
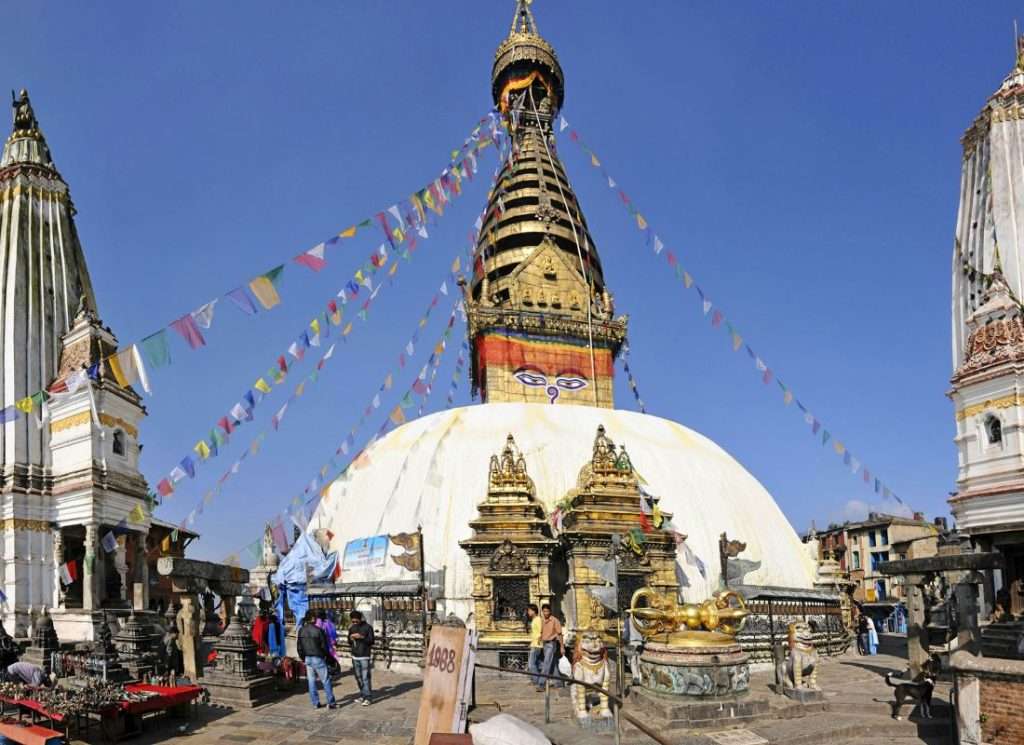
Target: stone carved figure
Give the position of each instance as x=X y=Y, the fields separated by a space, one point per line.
x=187 y=624
x=590 y=664
x=799 y=669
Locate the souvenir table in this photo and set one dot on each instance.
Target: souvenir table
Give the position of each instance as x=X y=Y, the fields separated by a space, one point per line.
x=117 y=719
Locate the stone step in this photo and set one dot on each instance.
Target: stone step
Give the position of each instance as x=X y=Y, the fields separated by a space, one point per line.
x=833 y=728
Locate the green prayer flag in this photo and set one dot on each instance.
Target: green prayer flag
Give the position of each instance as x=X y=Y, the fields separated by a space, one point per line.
x=365 y=223
x=156 y=349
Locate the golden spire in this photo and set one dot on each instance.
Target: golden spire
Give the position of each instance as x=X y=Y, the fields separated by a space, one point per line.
x=523 y=21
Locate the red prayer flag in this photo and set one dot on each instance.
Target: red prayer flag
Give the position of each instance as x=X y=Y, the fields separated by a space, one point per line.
x=226 y=425
x=282 y=363
x=313 y=258
x=189 y=330
x=165 y=488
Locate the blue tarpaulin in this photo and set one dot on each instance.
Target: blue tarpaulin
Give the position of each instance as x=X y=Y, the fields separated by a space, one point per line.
x=291 y=574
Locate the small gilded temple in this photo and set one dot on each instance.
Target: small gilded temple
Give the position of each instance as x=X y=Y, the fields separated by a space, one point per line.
x=528 y=496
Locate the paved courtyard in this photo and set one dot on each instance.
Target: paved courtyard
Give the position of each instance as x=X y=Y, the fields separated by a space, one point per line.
x=855 y=689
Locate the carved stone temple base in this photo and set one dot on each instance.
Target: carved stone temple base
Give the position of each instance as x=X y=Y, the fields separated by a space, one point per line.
x=721 y=670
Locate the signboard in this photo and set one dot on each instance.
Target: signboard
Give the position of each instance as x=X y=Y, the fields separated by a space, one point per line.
x=365 y=553
x=447 y=682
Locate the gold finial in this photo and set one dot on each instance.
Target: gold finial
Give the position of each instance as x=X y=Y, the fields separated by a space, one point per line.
x=522 y=21
x=1019 y=40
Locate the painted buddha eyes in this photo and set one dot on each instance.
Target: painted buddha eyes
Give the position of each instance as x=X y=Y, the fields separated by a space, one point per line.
x=571 y=384
x=531 y=379
x=537 y=379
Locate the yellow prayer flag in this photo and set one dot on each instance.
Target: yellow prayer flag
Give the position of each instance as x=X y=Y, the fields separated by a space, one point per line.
x=423 y=322
x=687 y=280
x=348 y=232
x=165 y=544
x=202 y=449
x=737 y=341
x=393 y=269
x=594 y=161
x=25 y=405
x=300 y=388
x=387 y=382
x=261 y=385
x=122 y=365
x=348 y=327
x=787 y=399
x=315 y=325
x=137 y=515
x=359 y=277
x=336 y=317
x=457 y=264
x=265 y=292
x=439 y=348
x=641 y=222
x=840 y=448
x=397 y=415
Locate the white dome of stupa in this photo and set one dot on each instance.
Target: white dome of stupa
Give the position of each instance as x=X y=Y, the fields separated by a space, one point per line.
x=433 y=472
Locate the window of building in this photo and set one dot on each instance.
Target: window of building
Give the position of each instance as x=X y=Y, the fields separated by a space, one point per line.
x=884 y=537
x=871 y=539
x=880 y=592
x=994 y=430
x=118 y=442
x=856 y=559
x=877 y=557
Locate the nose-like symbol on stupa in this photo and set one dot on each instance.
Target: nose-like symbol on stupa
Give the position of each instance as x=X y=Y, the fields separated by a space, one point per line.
x=562 y=382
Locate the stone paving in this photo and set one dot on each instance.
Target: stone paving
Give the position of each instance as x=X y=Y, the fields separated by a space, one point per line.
x=855 y=689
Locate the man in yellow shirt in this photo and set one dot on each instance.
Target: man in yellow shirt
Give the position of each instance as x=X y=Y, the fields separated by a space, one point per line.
x=536 y=645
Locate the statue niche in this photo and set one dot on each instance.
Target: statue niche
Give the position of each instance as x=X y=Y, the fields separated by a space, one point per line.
x=510 y=551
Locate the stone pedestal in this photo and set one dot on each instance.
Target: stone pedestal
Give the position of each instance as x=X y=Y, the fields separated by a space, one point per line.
x=44 y=643
x=719 y=670
x=236 y=681
x=803 y=695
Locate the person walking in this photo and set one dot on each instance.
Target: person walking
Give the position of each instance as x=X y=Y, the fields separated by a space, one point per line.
x=536 y=645
x=360 y=639
x=862 y=634
x=551 y=636
x=872 y=637
x=312 y=649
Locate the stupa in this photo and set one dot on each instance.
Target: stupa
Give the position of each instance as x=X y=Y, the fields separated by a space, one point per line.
x=537 y=523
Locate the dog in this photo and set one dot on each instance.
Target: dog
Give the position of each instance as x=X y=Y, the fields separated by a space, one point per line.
x=918 y=690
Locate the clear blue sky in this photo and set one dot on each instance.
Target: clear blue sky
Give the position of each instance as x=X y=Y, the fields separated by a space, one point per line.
x=802 y=159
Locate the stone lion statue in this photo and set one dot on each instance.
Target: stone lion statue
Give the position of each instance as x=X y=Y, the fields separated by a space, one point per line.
x=590 y=664
x=798 y=669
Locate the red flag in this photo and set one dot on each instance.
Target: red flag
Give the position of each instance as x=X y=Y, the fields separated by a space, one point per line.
x=165 y=488
x=226 y=425
x=282 y=363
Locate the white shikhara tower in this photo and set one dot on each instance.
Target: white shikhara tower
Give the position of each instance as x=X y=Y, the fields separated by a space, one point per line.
x=70 y=467
x=988 y=321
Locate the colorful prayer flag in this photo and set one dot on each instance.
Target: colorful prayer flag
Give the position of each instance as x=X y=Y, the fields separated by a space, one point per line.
x=241 y=299
x=156 y=349
x=204 y=315
x=189 y=330
x=313 y=258
x=264 y=287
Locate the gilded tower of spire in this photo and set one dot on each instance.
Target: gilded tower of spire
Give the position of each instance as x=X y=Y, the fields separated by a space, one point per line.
x=541 y=319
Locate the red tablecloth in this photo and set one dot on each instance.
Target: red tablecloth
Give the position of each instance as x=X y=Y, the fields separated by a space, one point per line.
x=35 y=706
x=166 y=697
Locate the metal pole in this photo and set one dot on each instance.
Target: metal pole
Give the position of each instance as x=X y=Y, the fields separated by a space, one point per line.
x=425 y=593
x=619 y=673
x=658 y=738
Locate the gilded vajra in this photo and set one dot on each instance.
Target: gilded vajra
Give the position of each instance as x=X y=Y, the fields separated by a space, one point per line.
x=661 y=618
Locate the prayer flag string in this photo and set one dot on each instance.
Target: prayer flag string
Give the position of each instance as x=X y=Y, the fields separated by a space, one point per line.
x=736 y=340
x=128 y=364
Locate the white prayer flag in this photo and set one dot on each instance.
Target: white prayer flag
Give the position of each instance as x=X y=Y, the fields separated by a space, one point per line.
x=658 y=245
x=707 y=306
x=204 y=315
x=562 y=124
x=444 y=288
